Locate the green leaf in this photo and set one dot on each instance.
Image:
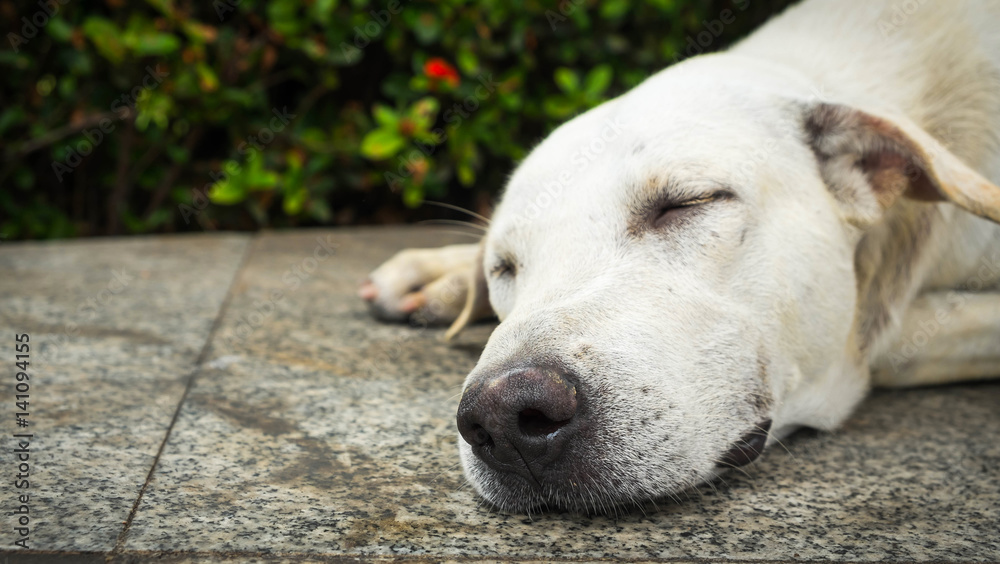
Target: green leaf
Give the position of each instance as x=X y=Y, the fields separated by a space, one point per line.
x=294 y=202
x=45 y=85
x=294 y=160
x=466 y=175
x=666 y=6
x=559 y=107
x=178 y=154
x=258 y=179
x=283 y=17
x=413 y=195
x=467 y=61
x=597 y=81
x=381 y=144
x=427 y=27
x=158 y=44
x=313 y=48
x=207 y=79
x=105 y=36
x=419 y=84
x=322 y=11
x=581 y=19
x=385 y=116
x=79 y=62
x=614 y=9
x=67 y=86
x=164 y=6
x=154 y=106
x=238 y=96
x=59 y=29
x=226 y=193
x=263 y=182
x=159 y=217
x=199 y=32
x=293 y=187
x=512 y=101
x=567 y=80
x=423 y=112
x=320 y=210
x=330 y=78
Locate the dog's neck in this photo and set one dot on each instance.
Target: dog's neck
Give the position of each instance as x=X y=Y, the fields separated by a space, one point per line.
x=892 y=262
x=917 y=246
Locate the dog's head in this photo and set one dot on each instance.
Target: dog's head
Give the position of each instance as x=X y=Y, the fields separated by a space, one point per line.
x=674 y=274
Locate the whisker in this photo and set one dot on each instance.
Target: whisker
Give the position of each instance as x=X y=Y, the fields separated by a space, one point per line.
x=448 y=469
x=734 y=467
x=454 y=222
x=781 y=444
x=712 y=485
x=459 y=209
x=475 y=236
x=744 y=472
x=458 y=222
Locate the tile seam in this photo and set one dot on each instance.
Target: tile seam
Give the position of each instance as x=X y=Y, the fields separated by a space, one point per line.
x=119 y=546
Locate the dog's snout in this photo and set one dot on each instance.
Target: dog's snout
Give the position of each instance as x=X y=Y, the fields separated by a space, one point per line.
x=519 y=421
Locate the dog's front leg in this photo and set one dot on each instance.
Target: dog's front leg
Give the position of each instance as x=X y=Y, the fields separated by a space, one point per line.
x=945 y=337
x=424 y=286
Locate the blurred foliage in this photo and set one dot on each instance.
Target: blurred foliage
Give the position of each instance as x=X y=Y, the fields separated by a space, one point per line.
x=175 y=115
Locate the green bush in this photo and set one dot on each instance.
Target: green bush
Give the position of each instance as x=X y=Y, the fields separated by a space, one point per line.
x=239 y=114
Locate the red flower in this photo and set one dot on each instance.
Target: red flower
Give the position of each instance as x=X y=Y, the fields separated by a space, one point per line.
x=440 y=69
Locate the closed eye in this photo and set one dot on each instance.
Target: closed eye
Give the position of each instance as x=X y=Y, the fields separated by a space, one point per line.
x=673 y=211
x=503 y=268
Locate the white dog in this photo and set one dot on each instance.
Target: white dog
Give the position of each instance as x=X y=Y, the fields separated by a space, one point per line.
x=740 y=246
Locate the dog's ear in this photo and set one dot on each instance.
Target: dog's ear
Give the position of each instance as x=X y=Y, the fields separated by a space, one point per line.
x=477 y=300
x=868 y=161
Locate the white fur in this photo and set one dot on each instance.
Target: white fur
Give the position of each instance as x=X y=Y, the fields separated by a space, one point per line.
x=685 y=337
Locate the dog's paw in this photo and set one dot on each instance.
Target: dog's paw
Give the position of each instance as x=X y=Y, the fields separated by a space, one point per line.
x=424 y=286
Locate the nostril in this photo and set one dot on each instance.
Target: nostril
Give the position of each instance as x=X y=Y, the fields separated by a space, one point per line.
x=472 y=430
x=534 y=423
x=481 y=436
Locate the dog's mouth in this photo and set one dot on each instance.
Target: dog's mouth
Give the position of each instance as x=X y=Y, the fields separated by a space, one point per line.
x=748 y=448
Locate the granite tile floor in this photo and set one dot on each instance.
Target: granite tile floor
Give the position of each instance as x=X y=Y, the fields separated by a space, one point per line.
x=226 y=398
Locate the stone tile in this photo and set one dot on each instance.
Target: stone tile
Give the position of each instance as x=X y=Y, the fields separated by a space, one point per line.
x=67 y=557
x=245 y=558
x=116 y=326
x=317 y=431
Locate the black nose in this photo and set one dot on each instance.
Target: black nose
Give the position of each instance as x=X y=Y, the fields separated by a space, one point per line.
x=748 y=448
x=519 y=421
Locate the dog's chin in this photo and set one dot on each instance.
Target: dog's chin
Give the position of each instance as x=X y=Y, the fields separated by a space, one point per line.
x=513 y=494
